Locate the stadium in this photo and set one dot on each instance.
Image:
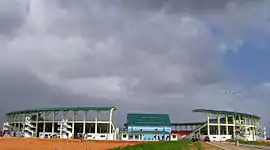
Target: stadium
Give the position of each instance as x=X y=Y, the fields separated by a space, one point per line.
x=96 y=123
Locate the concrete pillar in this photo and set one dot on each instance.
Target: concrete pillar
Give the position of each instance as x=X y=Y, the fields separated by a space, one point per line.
x=84 y=120
x=53 y=120
x=18 y=123
x=37 y=115
x=253 y=129
x=96 y=121
x=227 y=127
x=208 y=126
x=234 y=125
x=44 y=122
x=73 y=122
x=24 y=116
x=111 y=115
x=218 y=119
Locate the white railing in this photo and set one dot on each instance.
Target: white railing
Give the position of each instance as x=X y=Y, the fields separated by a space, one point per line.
x=64 y=126
x=30 y=124
x=67 y=131
x=29 y=129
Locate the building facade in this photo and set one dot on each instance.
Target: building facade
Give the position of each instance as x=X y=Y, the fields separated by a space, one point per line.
x=223 y=125
x=63 y=122
x=147 y=127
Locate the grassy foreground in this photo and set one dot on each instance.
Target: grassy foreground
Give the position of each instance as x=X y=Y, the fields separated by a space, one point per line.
x=171 y=145
x=259 y=143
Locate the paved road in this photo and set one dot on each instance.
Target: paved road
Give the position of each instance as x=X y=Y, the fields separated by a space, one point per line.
x=231 y=146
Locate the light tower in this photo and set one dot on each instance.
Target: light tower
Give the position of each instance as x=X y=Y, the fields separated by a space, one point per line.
x=235 y=114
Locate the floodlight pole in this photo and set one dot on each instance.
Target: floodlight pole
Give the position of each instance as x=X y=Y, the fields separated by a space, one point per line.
x=235 y=114
x=236 y=137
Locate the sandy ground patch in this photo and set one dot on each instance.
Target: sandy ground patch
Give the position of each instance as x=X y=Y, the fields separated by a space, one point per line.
x=58 y=144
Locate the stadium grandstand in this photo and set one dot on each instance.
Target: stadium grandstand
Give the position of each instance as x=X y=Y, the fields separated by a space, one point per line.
x=222 y=125
x=61 y=122
x=96 y=123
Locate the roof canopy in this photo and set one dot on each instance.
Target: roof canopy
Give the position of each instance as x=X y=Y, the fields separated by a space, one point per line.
x=225 y=112
x=148 y=120
x=188 y=124
x=63 y=109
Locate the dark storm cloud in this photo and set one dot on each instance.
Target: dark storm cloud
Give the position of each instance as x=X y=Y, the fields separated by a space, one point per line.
x=142 y=56
x=12 y=15
x=21 y=89
x=169 y=6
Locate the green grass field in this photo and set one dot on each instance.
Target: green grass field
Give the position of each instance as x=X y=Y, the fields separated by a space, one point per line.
x=259 y=143
x=172 y=145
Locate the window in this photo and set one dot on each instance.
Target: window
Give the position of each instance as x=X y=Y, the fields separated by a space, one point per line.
x=130 y=137
x=136 y=137
x=124 y=136
x=174 y=136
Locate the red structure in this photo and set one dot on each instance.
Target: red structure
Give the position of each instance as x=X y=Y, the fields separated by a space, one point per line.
x=184 y=129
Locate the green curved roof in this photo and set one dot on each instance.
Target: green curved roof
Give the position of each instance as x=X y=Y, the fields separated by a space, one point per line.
x=224 y=112
x=148 y=120
x=62 y=109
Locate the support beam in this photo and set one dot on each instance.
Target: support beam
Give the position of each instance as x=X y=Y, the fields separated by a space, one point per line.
x=96 y=121
x=37 y=116
x=44 y=121
x=234 y=127
x=84 y=120
x=111 y=115
x=73 y=122
x=227 y=127
x=55 y=113
x=24 y=116
x=208 y=127
x=218 y=120
x=253 y=129
x=19 y=124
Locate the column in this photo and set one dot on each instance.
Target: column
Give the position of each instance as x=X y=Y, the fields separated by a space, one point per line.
x=110 y=128
x=96 y=121
x=245 y=122
x=24 y=116
x=218 y=121
x=73 y=122
x=234 y=125
x=19 y=124
x=53 y=120
x=253 y=128
x=44 y=121
x=227 y=127
x=37 y=116
x=15 y=120
x=208 y=126
x=84 y=121
x=250 y=125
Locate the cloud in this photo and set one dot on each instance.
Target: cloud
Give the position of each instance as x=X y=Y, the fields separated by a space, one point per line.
x=12 y=14
x=160 y=56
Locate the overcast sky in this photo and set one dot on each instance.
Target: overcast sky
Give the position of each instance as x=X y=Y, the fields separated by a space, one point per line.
x=152 y=56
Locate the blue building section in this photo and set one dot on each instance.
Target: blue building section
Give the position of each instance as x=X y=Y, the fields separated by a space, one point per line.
x=148 y=127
